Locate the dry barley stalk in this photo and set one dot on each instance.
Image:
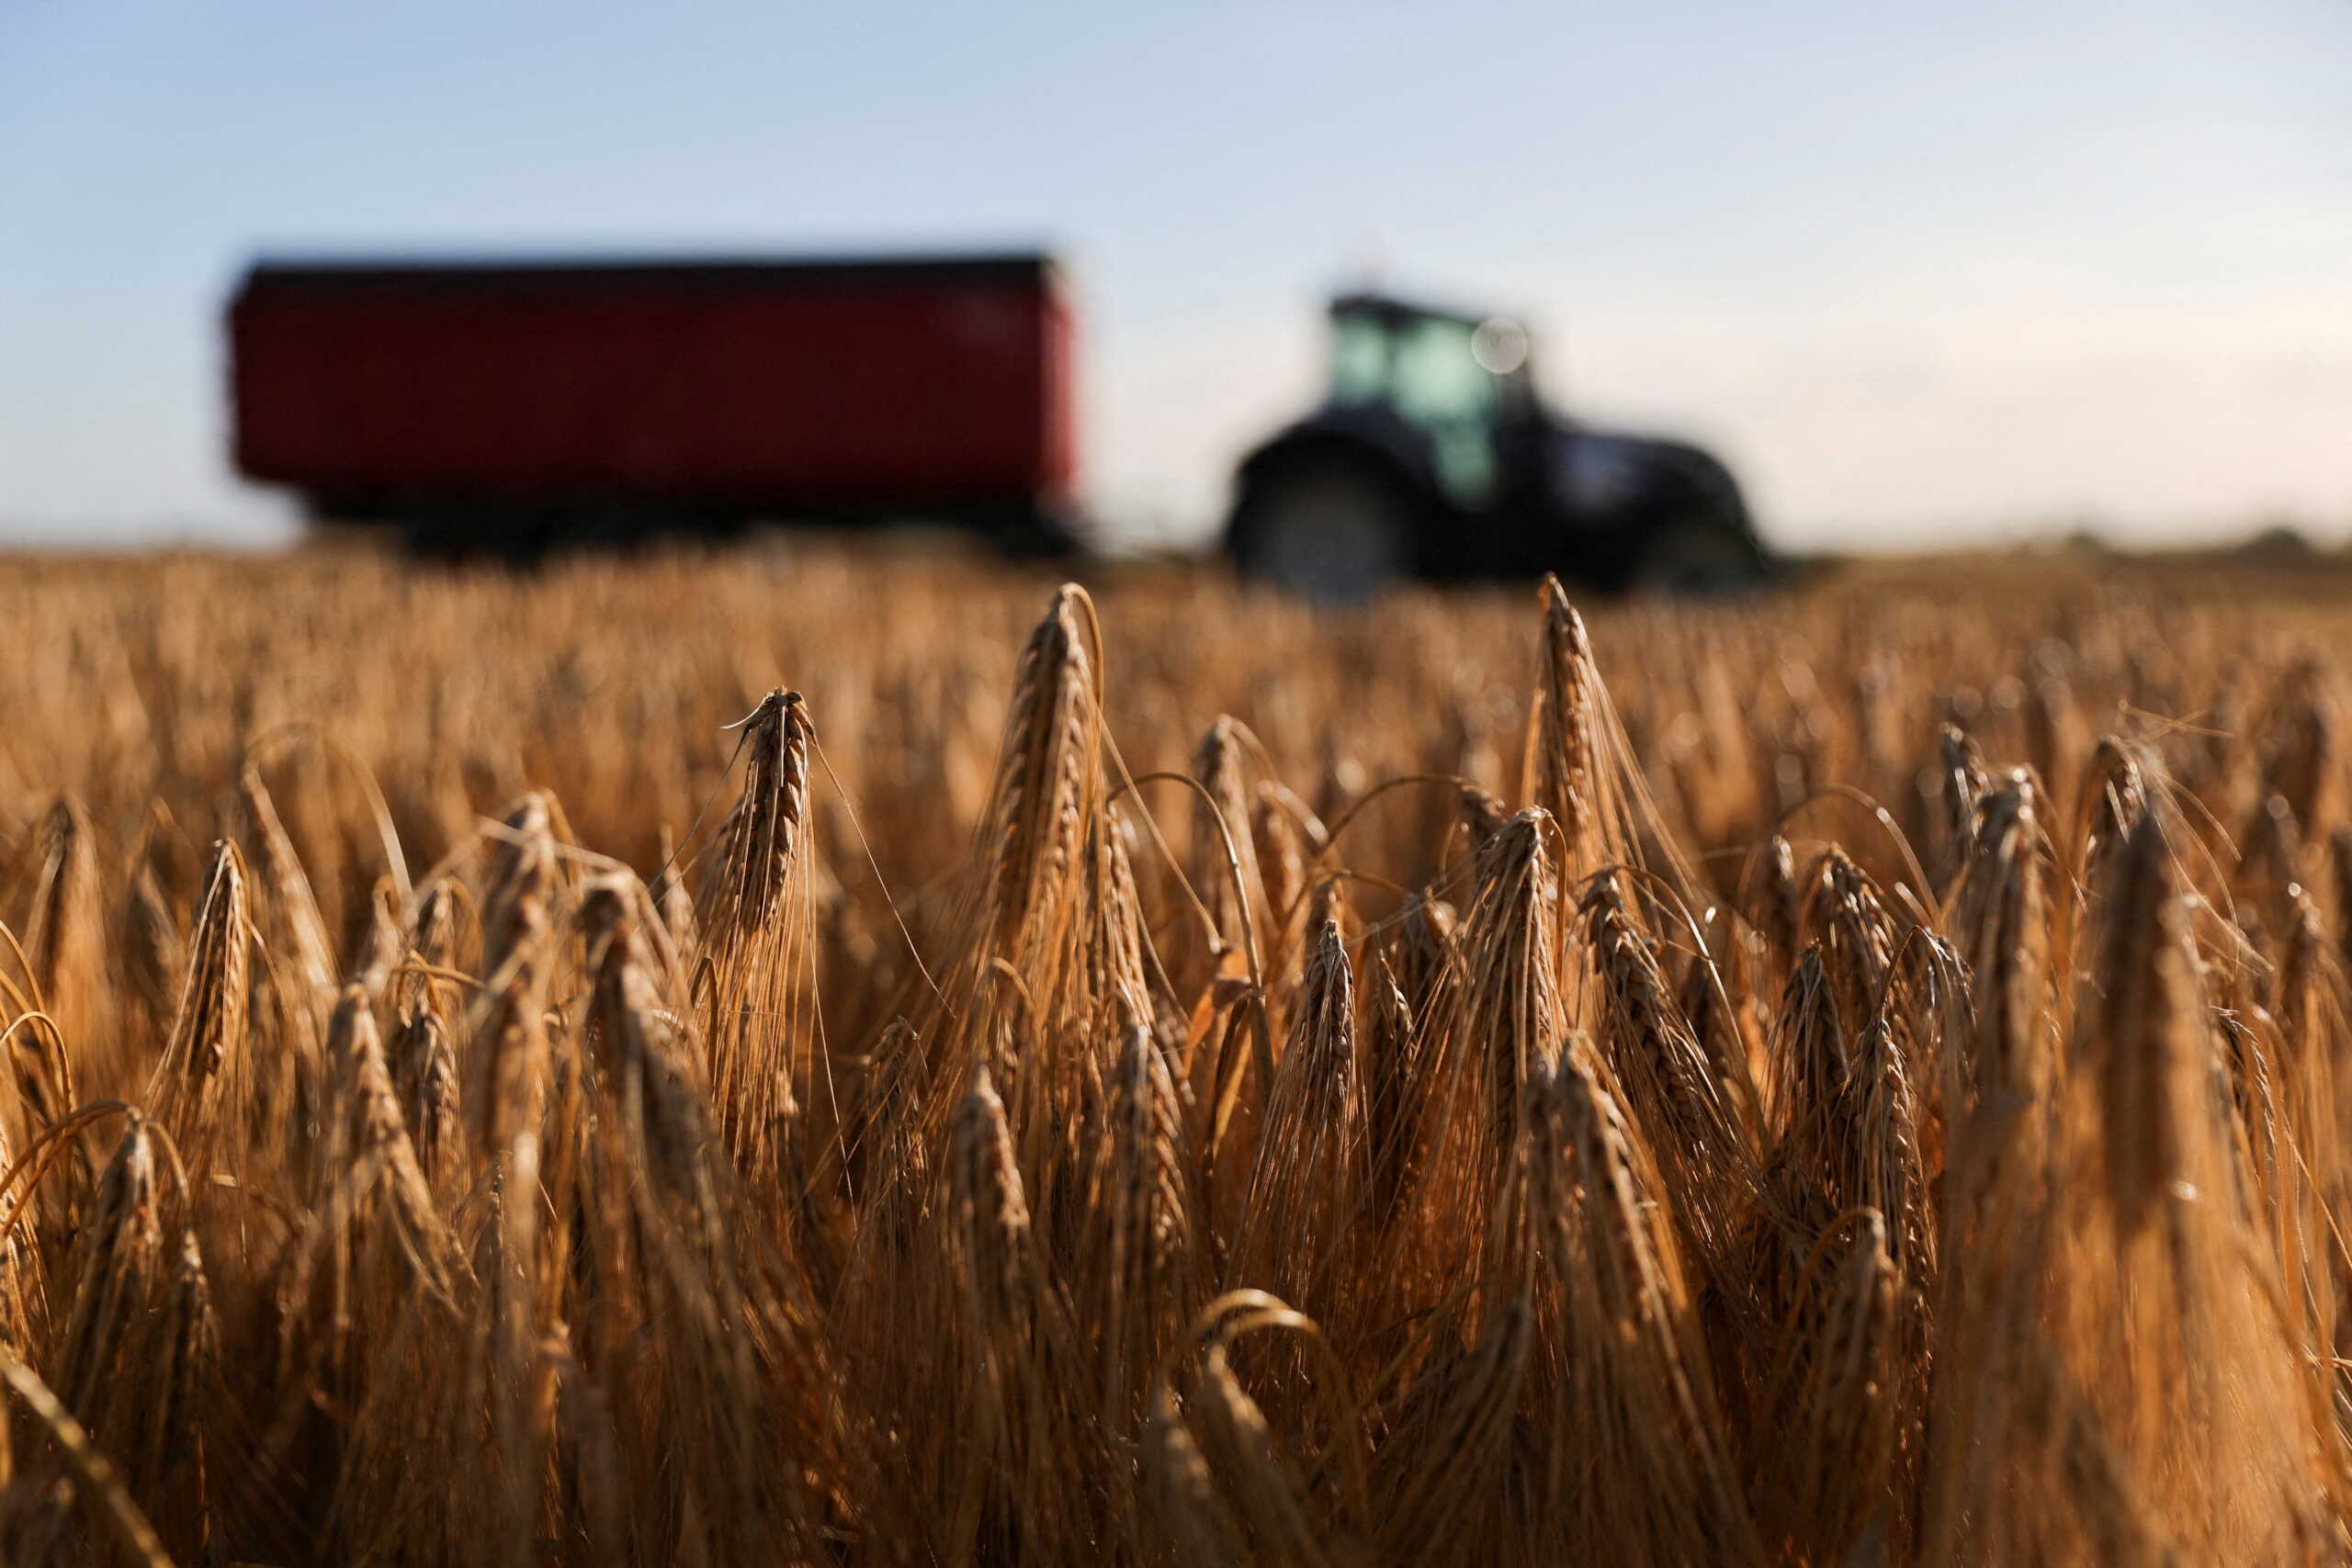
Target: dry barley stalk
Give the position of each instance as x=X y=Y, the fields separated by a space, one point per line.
x=740 y=1377
x=1568 y=777
x=507 y=1056
x=1394 y=1088
x=151 y=944
x=1028 y=1460
x=1455 y=1472
x=2165 y=1297
x=1826 y=1484
x=1700 y=1116
x=508 y=1066
x=1635 y=1448
x=1499 y=1018
x=64 y=930
x=1304 y=1219
x=202 y=1073
x=1225 y=802
x=1051 y=952
x=752 y=977
x=1221 y=1484
x=1141 y=1279
x=2002 y=924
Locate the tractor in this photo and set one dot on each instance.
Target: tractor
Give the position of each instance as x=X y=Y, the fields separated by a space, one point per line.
x=1434 y=457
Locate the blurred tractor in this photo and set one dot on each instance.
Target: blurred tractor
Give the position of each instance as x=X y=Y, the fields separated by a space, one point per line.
x=1434 y=457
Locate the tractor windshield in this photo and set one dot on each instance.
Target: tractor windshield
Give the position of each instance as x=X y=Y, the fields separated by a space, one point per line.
x=1433 y=373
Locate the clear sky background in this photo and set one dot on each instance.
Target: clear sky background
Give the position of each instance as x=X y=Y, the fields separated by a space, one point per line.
x=1921 y=271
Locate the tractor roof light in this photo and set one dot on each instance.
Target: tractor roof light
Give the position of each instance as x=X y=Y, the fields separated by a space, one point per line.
x=1500 y=346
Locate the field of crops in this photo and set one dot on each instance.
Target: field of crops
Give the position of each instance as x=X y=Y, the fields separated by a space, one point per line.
x=856 y=1060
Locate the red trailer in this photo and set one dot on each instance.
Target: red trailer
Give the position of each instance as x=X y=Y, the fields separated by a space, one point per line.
x=512 y=406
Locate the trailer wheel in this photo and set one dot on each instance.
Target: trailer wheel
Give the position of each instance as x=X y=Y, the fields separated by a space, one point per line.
x=1331 y=532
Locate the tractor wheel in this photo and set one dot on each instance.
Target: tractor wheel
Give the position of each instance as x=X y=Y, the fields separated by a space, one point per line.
x=1696 y=557
x=1332 y=532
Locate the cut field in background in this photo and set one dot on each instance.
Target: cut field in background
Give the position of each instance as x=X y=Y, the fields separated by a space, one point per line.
x=853 y=1060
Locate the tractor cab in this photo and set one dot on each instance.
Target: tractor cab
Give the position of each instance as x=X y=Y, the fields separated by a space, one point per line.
x=1432 y=457
x=1458 y=385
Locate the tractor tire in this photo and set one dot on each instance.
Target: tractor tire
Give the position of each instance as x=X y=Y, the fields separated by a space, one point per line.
x=1696 y=556
x=1330 y=533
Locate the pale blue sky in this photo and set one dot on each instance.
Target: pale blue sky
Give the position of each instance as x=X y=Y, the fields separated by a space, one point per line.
x=1918 y=270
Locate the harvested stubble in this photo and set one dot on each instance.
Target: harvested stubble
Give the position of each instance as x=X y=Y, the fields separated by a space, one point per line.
x=1852 y=1079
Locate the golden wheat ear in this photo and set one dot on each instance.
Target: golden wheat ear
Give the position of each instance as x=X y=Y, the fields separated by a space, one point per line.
x=202 y=1069
x=376 y=943
x=2001 y=922
x=1500 y=1016
x=1224 y=808
x=64 y=926
x=1047 y=780
x=2303 y=745
x=1630 y=1355
x=370 y=1169
x=1456 y=1468
x=371 y=1232
x=1027 y=1464
x=1303 y=1218
x=753 y=974
x=1960 y=782
x=1140 y=1276
x=741 y=1370
x=134 y=1349
x=2149 y=1035
x=1583 y=767
x=1847 y=916
x=1217 y=1471
x=1832 y=1422
x=506 y=1057
x=1699 y=1115
x=1566 y=746
x=1393 y=1088
x=293 y=927
x=674 y=903
x=2114 y=798
x=153 y=948
x=1050 y=951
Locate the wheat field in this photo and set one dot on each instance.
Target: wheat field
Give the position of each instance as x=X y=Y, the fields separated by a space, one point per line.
x=851 y=1059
